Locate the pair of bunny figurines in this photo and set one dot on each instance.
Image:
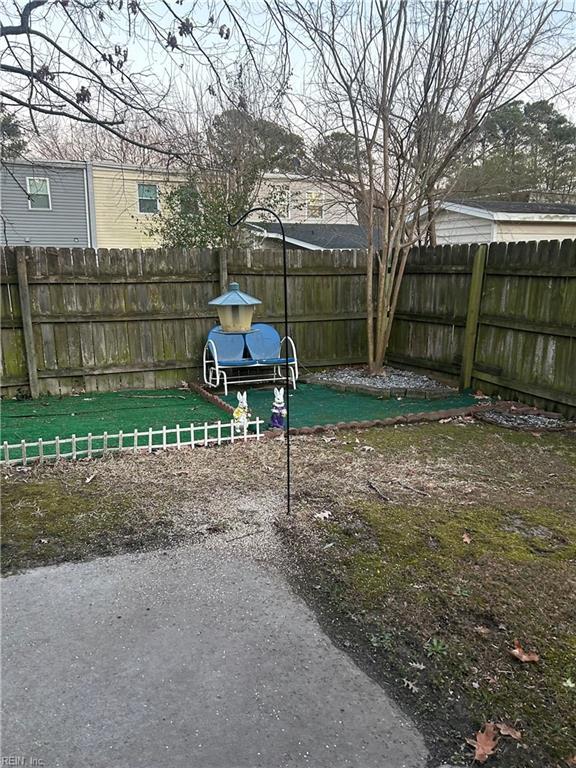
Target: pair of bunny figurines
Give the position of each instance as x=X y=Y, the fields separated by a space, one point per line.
x=241 y=413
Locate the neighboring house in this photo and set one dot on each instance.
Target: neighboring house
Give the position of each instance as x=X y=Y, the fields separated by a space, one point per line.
x=300 y=199
x=103 y=205
x=470 y=221
x=46 y=203
x=126 y=197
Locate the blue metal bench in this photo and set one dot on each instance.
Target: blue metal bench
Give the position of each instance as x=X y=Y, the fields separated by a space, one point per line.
x=242 y=358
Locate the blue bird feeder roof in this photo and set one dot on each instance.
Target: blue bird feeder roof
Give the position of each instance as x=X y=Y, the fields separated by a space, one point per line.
x=234 y=297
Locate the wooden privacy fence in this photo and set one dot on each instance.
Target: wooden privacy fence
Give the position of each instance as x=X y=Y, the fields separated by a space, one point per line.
x=500 y=317
x=112 y=319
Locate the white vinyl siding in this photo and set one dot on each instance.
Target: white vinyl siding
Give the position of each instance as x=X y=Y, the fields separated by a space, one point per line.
x=457 y=227
x=147 y=198
x=338 y=208
x=452 y=227
x=516 y=231
x=38 y=189
x=281 y=200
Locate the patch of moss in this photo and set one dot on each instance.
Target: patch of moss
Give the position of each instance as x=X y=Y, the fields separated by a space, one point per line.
x=409 y=569
x=45 y=522
x=433 y=534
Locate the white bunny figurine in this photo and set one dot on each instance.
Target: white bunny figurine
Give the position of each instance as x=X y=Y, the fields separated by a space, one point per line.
x=241 y=413
x=278 y=409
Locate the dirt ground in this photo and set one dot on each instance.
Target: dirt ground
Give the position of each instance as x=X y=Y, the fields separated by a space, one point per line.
x=425 y=550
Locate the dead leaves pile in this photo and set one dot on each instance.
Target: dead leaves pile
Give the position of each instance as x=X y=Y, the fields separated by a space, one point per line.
x=488 y=737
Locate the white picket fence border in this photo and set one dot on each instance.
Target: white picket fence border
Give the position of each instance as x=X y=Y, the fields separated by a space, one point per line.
x=87 y=447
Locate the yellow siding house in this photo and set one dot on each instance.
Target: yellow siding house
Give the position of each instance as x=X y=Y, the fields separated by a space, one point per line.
x=125 y=198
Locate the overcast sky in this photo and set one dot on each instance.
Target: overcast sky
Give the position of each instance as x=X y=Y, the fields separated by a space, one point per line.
x=184 y=71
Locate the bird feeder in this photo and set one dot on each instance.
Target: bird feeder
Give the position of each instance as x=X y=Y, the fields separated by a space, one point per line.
x=235 y=309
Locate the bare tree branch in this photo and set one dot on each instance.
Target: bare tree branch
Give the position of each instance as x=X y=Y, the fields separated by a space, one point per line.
x=24 y=26
x=80 y=60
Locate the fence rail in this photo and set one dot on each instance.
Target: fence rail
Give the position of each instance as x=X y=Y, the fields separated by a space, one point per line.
x=95 y=446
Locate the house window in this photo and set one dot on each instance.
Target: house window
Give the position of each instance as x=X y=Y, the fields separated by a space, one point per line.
x=38 y=194
x=148 y=198
x=314 y=205
x=281 y=201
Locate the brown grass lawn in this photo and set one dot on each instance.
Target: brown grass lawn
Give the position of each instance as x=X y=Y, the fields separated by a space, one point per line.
x=425 y=550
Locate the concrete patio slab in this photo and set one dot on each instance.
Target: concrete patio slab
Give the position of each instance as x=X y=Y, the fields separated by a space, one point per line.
x=184 y=658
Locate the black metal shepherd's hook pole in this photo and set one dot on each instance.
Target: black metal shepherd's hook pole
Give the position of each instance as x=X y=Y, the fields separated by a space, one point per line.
x=286 y=365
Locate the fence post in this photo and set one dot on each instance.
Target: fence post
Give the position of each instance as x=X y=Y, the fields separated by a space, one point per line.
x=472 y=316
x=27 y=329
x=223 y=268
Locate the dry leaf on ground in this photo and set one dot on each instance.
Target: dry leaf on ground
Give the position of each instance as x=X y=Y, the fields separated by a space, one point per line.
x=571 y=760
x=485 y=742
x=525 y=656
x=481 y=630
x=466 y=538
x=508 y=730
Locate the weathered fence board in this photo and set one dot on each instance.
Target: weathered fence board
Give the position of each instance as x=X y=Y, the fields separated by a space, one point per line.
x=139 y=318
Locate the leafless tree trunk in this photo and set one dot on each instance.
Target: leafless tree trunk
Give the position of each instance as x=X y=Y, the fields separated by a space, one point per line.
x=411 y=82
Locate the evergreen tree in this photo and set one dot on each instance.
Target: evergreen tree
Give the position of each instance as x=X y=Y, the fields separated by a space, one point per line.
x=13 y=142
x=522 y=147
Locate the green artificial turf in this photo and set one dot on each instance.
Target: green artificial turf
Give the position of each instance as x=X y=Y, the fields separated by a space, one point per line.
x=113 y=412
x=50 y=417
x=313 y=405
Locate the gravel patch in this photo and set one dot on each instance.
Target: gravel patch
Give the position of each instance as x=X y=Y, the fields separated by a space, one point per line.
x=529 y=421
x=390 y=378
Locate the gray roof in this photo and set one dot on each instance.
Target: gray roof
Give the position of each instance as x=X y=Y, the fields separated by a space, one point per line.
x=328 y=236
x=511 y=206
